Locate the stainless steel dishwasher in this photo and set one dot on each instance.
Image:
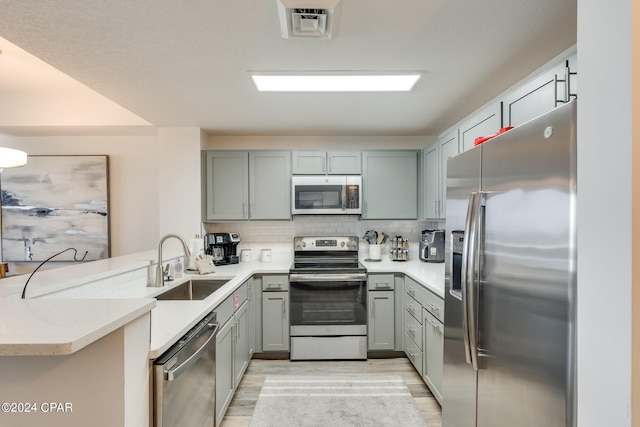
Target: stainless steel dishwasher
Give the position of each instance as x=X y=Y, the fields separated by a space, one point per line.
x=184 y=379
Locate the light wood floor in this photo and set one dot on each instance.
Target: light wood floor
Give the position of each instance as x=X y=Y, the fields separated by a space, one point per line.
x=244 y=401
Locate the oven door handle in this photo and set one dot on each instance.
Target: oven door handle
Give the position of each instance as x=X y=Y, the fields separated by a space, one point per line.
x=305 y=278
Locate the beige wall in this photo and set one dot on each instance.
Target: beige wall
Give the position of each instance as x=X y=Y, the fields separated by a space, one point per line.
x=635 y=351
x=154 y=182
x=605 y=174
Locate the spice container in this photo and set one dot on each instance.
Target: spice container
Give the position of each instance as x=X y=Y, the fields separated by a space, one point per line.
x=399 y=249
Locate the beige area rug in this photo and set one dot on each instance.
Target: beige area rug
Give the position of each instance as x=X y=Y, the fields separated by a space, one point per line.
x=345 y=400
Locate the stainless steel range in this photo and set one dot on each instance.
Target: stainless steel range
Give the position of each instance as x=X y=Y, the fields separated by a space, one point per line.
x=328 y=299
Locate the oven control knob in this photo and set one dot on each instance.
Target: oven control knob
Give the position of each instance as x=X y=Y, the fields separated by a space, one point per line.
x=342 y=244
x=304 y=244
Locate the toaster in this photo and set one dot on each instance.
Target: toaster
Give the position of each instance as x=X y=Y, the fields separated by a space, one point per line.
x=432 y=246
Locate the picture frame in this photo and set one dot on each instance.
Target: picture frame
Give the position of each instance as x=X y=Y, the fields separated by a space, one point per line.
x=53 y=203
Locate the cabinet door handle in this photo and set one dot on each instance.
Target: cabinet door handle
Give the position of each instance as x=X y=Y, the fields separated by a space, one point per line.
x=284 y=307
x=434 y=308
x=412 y=309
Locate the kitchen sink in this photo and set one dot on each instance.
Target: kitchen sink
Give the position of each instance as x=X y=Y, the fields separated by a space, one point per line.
x=192 y=290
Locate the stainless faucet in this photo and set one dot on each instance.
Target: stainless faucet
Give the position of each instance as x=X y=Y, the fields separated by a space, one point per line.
x=159 y=271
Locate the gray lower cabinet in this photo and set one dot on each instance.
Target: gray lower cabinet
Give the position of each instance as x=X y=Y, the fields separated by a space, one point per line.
x=413 y=332
x=224 y=369
x=381 y=322
x=381 y=330
x=240 y=185
x=275 y=321
x=424 y=334
x=251 y=316
x=433 y=343
x=232 y=347
x=275 y=313
x=241 y=345
x=390 y=184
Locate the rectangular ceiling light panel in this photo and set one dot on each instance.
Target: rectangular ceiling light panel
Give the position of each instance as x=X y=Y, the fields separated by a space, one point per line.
x=335 y=83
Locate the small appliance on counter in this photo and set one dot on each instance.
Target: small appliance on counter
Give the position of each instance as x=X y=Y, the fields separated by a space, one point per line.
x=432 y=245
x=223 y=247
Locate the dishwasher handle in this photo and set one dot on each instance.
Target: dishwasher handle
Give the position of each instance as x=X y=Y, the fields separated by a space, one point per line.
x=175 y=372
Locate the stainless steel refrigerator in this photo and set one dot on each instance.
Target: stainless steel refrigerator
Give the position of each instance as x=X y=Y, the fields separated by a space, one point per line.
x=510 y=282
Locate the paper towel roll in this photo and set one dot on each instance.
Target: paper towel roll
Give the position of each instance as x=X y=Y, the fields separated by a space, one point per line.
x=196 y=246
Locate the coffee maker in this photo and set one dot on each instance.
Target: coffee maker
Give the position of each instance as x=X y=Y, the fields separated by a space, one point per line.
x=432 y=246
x=222 y=247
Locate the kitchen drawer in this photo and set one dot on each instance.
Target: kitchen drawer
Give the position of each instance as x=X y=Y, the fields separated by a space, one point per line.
x=380 y=282
x=242 y=293
x=413 y=329
x=275 y=283
x=433 y=304
x=413 y=307
x=413 y=289
x=224 y=311
x=413 y=353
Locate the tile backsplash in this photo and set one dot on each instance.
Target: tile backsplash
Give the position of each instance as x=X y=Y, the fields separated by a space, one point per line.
x=318 y=225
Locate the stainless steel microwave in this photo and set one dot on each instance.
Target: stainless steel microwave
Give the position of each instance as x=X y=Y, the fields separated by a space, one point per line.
x=326 y=195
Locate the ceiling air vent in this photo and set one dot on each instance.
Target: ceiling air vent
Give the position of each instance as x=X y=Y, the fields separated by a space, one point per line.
x=309 y=18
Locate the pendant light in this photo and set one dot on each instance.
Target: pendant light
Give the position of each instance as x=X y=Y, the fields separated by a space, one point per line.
x=11 y=158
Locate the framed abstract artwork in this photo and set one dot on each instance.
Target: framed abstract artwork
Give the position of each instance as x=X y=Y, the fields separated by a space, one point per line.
x=53 y=203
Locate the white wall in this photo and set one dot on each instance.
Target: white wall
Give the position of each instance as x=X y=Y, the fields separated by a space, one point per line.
x=179 y=181
x=604 y=192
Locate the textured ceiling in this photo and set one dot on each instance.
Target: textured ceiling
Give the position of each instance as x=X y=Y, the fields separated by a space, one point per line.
x=187 y=63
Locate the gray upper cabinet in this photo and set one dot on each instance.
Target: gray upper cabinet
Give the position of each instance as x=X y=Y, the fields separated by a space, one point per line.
x=487 y=121
x=435 y=174
x=541 y=94
x=448 y=148
x=241 y=185
x=431 y=181
x=226 y=185
x=323 y=162
x=269 y=185
x=390 y=184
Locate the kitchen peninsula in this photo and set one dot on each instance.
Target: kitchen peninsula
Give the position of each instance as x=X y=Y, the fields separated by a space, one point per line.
x=87 y=333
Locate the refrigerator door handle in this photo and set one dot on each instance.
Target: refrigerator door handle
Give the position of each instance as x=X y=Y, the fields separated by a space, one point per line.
x=463 y=277
x=469 y=272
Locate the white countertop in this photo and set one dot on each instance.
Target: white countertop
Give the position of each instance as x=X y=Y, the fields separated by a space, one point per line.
x=33 y=327
x=67 y=320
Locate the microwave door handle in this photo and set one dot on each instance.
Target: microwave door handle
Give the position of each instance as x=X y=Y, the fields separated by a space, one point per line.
x=345 y=203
